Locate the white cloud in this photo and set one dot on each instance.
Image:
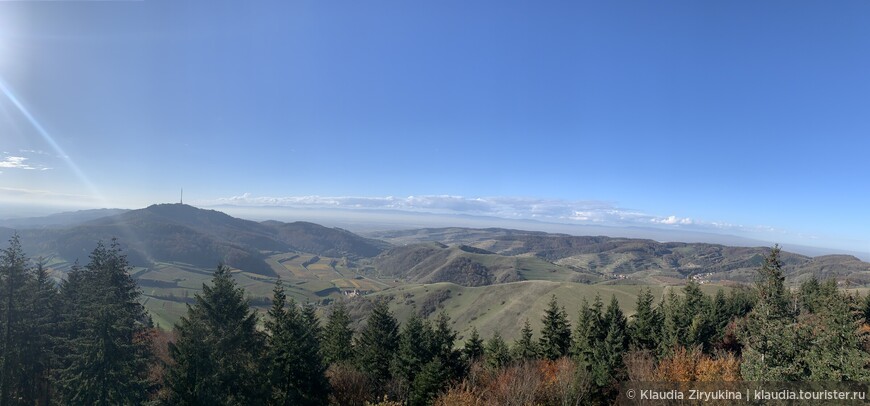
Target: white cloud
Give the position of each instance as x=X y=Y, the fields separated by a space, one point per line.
x=673 y=220
x=554 y=210
x=20 y=162
x=17 y=162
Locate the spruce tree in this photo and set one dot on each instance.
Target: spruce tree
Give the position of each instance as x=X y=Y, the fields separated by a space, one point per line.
x=376 y=345
x=106 y=355
x=644 y=329
x=555 y=332
x=443 y=339
x=14 y=284
x=42 y=323
x=415 y=350
x=473 y=349
x=836 y=353
x=295 y=367
x=607 y=353
x=589 y=331
x=218 y=351
x=496 y=352
x=773 y=344
x=525 y=347
x=337 y=336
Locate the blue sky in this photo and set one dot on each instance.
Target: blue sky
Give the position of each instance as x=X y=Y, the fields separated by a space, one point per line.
x=739 y=117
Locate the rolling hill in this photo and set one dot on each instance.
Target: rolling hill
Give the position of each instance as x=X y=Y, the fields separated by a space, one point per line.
x=185 y=234
x=629 y=260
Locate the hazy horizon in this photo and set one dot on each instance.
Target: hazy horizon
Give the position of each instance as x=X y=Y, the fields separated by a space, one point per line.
x=725 y=118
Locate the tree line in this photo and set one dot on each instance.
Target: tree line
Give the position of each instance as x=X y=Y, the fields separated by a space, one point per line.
x=89 y=341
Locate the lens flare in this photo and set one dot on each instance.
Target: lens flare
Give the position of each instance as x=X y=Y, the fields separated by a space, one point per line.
x=51 y=142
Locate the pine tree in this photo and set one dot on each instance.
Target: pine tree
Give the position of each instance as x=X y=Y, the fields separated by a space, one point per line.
x=218 y=350
x=107 y=350
x=295 y=368
x=525 y=347
x=337 y=336
x=474 y=346
x=644 y=329
x=496 y=352
x=556 y=331
x=377 y=344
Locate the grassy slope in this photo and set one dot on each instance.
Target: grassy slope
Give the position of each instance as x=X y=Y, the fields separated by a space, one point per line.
x=505 y=307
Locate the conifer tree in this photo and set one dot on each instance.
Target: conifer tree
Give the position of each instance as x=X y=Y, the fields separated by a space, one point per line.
x=673 y=327
x=473 y=349
x=525 y=347
x=555 y=332
x=836 y=353
x=42 y=323
x=337 y=336
x=496 y=352
x=773 y=346
x=645 y=323
x=218 y=351
x=295 y=368
x=376 y=345
x=607 y=353
x=13 y=286
x=415 y=350
x=428 y=382
x=106 y=355
x=443 y=339
x=589 y=331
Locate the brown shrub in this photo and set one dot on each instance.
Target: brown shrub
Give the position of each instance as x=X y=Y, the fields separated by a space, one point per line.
x=350 y=387
x=640 y=366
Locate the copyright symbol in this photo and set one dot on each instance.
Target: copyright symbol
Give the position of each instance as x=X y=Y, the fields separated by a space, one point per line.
x=630 y=394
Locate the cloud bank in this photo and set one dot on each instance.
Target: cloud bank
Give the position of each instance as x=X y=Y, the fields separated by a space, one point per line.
x=551 y=210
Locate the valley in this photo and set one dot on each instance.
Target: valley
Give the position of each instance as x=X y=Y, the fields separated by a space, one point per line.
x=488 y=278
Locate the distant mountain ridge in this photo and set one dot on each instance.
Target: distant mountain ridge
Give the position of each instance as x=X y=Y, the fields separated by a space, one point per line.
x=58 y=220
x=623 y=260
x=182 y=233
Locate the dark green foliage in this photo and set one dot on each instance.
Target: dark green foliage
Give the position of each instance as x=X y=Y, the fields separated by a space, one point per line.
x=42 y=323
x=556 y=331
x=525 y=347
x=295 y=368
x=443 y=339
x=646 y=322
x=773 y=344
x=590 y=330
x=376 y=345
x=473 y=349
x=415 y=350
x=836 y=353
x=218 y=351
x=106 y=351
x=496 y=352
x=428 y=383
x=607 y=353
x=337 y=336
x=14 y=274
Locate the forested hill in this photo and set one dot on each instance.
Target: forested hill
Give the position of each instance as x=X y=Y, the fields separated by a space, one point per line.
x=185 y=234
x=635 y=259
